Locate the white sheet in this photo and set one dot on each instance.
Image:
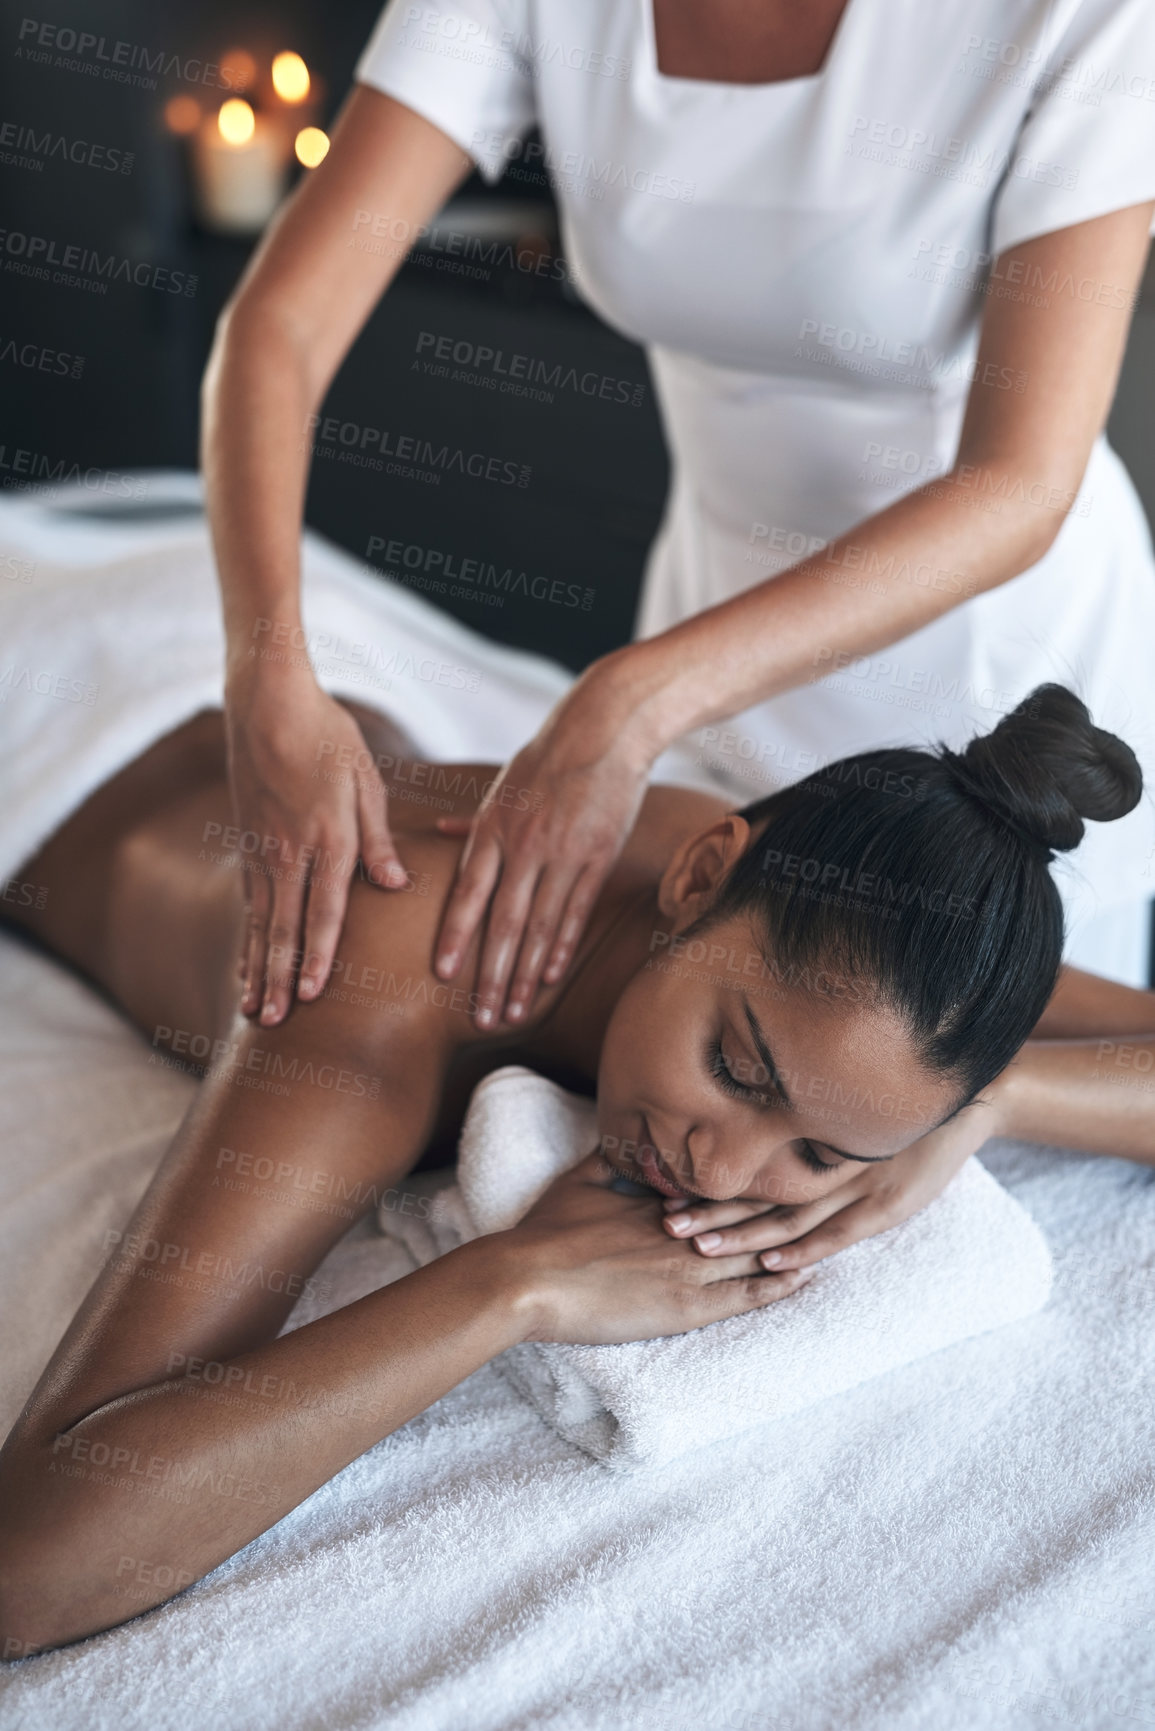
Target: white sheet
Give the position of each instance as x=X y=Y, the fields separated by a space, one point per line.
x=962 y=1546
x=110 y=636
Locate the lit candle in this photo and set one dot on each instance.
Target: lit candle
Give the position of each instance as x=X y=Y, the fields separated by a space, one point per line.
x=240 y=162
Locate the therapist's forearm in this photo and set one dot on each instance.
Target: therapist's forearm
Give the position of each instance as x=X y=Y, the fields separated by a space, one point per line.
x=927 y=553
x=256 y=401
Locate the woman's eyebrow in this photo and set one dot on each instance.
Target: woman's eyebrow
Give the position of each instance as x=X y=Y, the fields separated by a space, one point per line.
x=766 y=1056
x=776 y=1083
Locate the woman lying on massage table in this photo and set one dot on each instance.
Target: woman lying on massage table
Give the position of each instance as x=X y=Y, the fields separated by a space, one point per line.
x=811 y=1003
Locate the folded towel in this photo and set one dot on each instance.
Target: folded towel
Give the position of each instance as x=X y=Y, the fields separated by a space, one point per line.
x=971 y=1261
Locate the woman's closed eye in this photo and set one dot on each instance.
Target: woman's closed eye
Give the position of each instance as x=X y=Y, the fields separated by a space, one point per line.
x=729 y=1083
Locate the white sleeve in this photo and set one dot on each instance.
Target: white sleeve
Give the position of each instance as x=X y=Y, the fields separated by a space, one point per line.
x=1087 y=143
x=461 y=66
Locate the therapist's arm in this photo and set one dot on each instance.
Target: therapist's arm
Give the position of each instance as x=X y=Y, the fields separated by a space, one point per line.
x=1020 y=462
x=310 y=287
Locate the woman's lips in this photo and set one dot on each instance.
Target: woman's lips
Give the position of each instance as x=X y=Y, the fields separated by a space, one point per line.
x=654 y=1169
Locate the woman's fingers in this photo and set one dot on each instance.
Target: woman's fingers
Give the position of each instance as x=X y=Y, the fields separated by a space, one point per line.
x=735 y=1296
x=846 y=1226
x=707 y=1219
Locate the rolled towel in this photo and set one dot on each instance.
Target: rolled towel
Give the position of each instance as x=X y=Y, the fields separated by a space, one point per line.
x=971 y=1261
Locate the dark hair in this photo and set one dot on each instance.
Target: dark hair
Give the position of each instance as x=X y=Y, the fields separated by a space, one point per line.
x=925 y=874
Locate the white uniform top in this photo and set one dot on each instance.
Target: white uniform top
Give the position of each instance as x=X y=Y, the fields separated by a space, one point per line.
x=807 y=263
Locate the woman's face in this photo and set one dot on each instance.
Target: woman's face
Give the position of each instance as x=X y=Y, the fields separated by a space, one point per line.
x=722 y=1077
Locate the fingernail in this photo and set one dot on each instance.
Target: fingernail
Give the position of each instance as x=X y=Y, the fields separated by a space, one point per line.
x=446 y=963
x=709 y=1241
x=515 y=1012
x=678 y=1222
x=770 y=1258
x=269 y=1014
x=484 y=1017
x=807 y=1274
x=396 y=876
x=309 y=987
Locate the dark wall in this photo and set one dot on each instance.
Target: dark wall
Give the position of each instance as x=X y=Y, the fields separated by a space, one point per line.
x=591 y=470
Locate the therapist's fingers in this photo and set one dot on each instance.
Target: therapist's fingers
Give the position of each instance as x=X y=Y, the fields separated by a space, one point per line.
x=328 y=898
x=282 y=953
x=258 y=901
x=555 y=892
x=477 y=871
x=383 y=866
x=584 y=894
x=509 y=910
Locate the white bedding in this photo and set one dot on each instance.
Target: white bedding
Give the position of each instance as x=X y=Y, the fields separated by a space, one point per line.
x=964 y=1543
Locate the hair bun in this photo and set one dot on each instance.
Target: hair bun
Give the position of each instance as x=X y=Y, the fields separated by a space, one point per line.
x=1046 y=767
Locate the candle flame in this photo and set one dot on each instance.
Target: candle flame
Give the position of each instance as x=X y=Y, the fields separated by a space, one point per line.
x=182 y=114
x=238 y=69
x=236 y=121
x=311 y=146
x=290 y=77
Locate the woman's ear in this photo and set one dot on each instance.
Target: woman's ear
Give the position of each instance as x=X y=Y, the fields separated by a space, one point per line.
x=690 y=881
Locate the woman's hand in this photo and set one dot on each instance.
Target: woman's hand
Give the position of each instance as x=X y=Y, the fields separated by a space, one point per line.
x=541 y=847
x=599 y=1270
x=872 y=1200
x=312 y=825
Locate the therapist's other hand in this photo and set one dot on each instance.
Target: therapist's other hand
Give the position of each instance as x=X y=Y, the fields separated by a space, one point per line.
x=873 y=1199
x=311 y=832
x=539 y=850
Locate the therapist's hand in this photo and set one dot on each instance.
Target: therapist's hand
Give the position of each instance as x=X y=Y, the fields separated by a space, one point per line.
x=873 y=1199
x=281 y=732
x=540 y=848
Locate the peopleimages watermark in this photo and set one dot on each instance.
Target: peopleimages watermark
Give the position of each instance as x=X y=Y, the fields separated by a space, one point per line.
x=258 y=1067
x=44 y=682
x=74 y=266
x=327 y=651
x=945 y=156
x=39 y=358
x=23 y=147
x=452 y=249
x=441 y=572
x=20 y=467
x=879 y=355
x=132 y=1253
x=574 y=171
x=968 y=267
x=415 y=458
x=477 y=42
x=69 y=50
x=423 y=782
x=517 y=374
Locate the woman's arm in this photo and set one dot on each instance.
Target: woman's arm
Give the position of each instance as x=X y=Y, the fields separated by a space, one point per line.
x=1086 y=1079
x=1021 y=460
x=311 y=285
x=172 y=1426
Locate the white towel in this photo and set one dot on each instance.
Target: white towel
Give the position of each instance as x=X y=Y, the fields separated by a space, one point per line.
x=971 y=1261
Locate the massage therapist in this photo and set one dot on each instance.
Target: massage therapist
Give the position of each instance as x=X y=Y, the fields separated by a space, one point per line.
x=883 y=255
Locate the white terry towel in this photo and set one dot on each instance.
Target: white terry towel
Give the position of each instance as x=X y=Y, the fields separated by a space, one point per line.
x=971 y=1261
